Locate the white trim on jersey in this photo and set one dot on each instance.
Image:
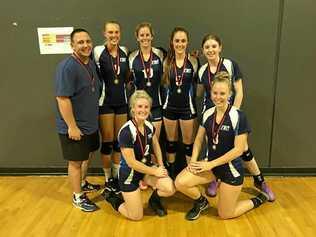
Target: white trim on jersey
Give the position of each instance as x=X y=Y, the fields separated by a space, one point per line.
x=124 y=49
x=229 y=67
x=191 y=102
x=208 y=113
x=129 y=177
x=194 y=63
x=132 y=128
x=158 y=52
x=131 y=59
x=201 y=72
x=159 y=96
x=232 y=169
x=234 y=118
x=167 y=99
x=98 y=50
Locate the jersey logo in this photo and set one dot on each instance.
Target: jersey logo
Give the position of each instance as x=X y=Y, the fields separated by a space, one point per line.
x=225 y=128
x=187 y=70
x=155 y=62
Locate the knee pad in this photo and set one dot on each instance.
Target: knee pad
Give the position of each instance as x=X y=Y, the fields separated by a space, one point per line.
x=188 y=149
x=116 y=146
x=107 y=148
x=171 y=147
x=247 y=155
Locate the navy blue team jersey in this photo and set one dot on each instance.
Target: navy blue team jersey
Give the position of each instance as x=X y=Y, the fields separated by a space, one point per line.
x=227 y=65
x=127 y=138
x=150 y=83
x=182 y=98
x=113 y=94
x=234 y=124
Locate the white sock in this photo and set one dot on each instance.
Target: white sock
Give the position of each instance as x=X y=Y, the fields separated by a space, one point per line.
x=115 y=169
x=107 y=174
x=77 y=195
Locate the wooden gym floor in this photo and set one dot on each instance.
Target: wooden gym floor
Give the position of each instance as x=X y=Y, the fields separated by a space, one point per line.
x=41 y=206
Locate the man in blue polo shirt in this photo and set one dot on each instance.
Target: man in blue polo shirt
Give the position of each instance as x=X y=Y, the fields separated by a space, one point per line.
x=77 y=90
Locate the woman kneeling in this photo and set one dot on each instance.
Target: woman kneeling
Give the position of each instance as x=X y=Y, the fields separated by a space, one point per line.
x=227 y=129
x=135 y=138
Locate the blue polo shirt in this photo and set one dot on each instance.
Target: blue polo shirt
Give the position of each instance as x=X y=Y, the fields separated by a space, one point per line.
x=74 y=80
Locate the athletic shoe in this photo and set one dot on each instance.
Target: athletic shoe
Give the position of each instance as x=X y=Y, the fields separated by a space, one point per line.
x=198 y=207
x=89 y=187
x=155 y=204
x=84 y=203
x=212 y=189
x=115 y=200
x=113 y=185
x=265 y=188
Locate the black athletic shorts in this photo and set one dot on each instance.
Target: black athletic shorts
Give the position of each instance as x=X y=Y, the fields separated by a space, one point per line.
x=113 y=109
x=175 y=115
x=225 y=175
x=156 y=114
x=79 y=150
x=129 y=179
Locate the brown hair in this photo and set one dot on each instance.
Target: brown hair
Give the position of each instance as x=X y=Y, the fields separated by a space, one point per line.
x=143 y=25
x=213 y=37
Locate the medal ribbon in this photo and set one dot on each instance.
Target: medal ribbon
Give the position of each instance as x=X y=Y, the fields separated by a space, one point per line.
x=115 y=69
x=90 y=73
x=214 y=131
x=147 y=69
x=142 y=147
x=180 y=79
x=210 y=77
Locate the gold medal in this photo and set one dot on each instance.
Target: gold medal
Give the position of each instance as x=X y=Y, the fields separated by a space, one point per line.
x=214 y=147
x=116 y=81
x=144 y=160
x=148 y=84
x=179 y=90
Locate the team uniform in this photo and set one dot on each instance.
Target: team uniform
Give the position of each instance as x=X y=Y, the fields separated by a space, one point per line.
x=205 y=77
x=113 y=97
x=129 y=137
x=235 y=123
x=180 y=99
x=81 y=84
x=147 y=76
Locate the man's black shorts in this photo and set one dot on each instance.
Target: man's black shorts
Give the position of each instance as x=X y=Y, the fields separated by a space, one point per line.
x=79 y=150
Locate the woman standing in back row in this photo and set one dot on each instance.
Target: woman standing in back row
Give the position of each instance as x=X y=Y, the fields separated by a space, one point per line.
x=146 y=67
x=180 y=70
x=113 y=63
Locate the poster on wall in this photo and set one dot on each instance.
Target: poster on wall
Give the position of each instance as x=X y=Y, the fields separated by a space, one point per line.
x=54 y=40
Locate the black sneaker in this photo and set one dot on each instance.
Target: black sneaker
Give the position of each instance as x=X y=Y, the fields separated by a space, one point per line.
x=113 y=185
x=89 y=187
x=115 y=200
x=155 y=204
x=198 y=207
x=106 y=191
x=84 y=203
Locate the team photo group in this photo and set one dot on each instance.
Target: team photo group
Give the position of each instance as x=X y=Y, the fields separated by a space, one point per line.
x=118 y=102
